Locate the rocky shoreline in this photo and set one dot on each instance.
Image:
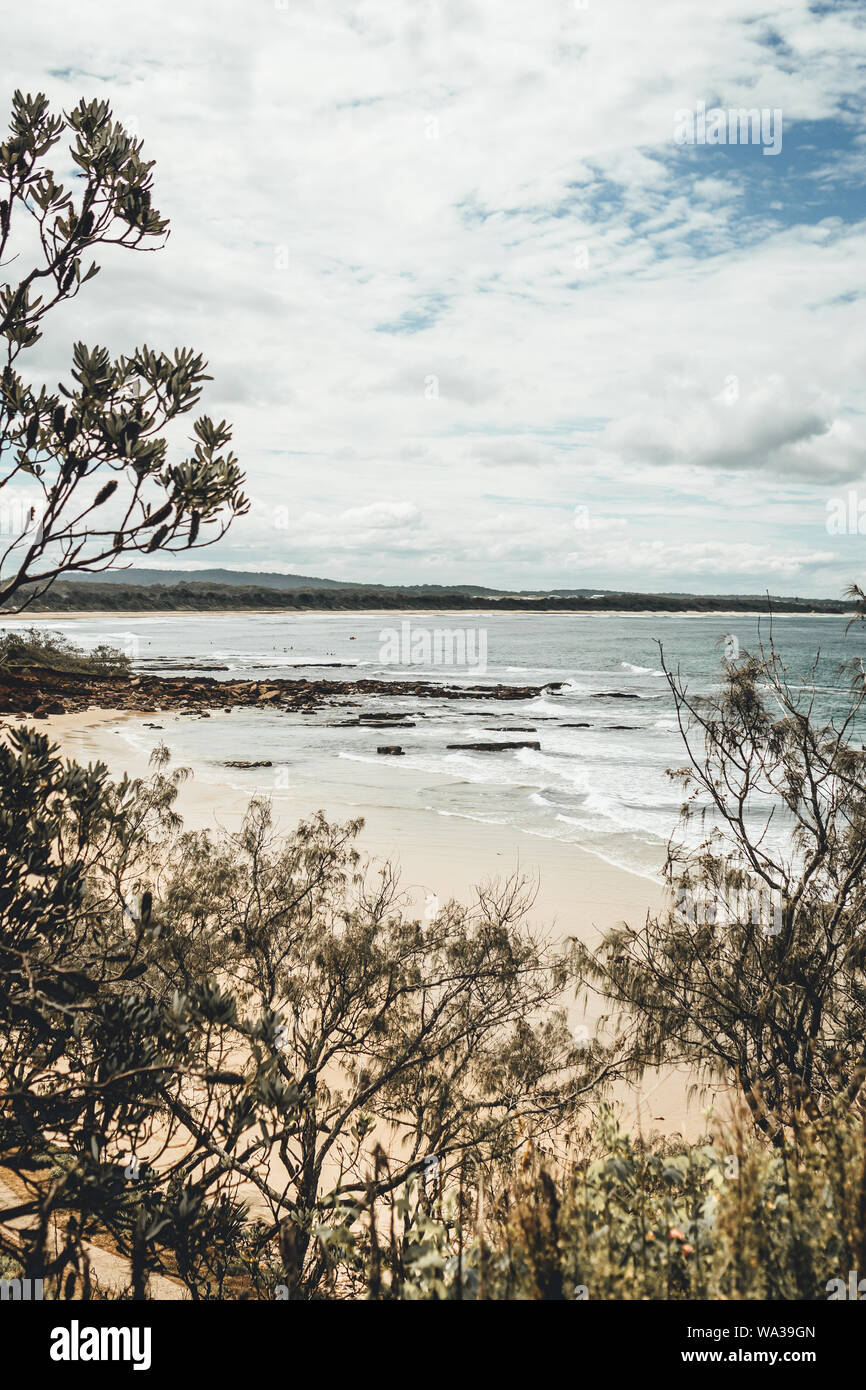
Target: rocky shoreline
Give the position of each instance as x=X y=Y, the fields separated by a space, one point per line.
x=41 y=693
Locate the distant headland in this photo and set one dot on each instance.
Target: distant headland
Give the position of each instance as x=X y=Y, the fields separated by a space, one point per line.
x=160 y=590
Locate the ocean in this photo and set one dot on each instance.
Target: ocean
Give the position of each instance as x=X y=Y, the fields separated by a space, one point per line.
x=601 y=784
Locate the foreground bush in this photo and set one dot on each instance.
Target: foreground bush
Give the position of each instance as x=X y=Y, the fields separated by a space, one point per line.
x=755 y=976
x=246 y=1063
x=221 y=1052
x=721 y=1219
x=38 y=650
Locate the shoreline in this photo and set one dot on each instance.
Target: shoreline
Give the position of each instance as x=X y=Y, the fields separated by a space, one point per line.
x=102 y=614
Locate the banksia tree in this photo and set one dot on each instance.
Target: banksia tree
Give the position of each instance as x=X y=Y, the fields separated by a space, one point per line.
x=86 y=479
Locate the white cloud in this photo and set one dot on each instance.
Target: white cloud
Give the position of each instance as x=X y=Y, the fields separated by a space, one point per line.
x=768 y=426
x=659 y=558
x=379 y=515
x=441 y=253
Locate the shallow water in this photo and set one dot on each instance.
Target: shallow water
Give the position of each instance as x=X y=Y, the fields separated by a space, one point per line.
x=602 y=786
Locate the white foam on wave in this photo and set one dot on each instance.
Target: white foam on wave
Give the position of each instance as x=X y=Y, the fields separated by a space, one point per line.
x=546 y=703
x=456 y=765
x=538 y=670
x=539 y=799
x=640 y=670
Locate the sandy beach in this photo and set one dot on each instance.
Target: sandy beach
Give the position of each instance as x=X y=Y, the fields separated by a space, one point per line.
x=38 y=615
x=578 y=894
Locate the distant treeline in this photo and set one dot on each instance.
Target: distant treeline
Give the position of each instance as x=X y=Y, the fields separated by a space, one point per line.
x=81 y=597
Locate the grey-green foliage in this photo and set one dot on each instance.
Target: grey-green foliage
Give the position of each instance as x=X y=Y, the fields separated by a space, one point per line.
x=414 y=1050
x=724 y=1217
x=267 y=1028
x=87 y=477
x=755 y=975
x=40 y=650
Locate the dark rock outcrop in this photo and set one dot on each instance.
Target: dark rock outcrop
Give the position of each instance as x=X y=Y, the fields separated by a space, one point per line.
x=494 y=747
x=54 y=692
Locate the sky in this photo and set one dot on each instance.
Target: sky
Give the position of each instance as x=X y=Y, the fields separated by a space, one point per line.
x=476 y=311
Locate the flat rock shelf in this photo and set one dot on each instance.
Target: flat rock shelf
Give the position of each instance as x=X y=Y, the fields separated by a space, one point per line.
x=45 y=692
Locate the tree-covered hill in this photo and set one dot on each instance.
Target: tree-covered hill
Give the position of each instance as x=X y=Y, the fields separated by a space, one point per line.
x=197 y=595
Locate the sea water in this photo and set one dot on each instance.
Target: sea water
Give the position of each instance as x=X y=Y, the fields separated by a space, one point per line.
x=603 y=786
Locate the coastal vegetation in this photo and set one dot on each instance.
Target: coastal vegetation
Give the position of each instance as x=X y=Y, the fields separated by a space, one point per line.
x=188 y=594
x=38 y=650
x=250 y=1017
x=756 y=975
x=246 y=1064
x=86 y=478
x=628 y=1218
